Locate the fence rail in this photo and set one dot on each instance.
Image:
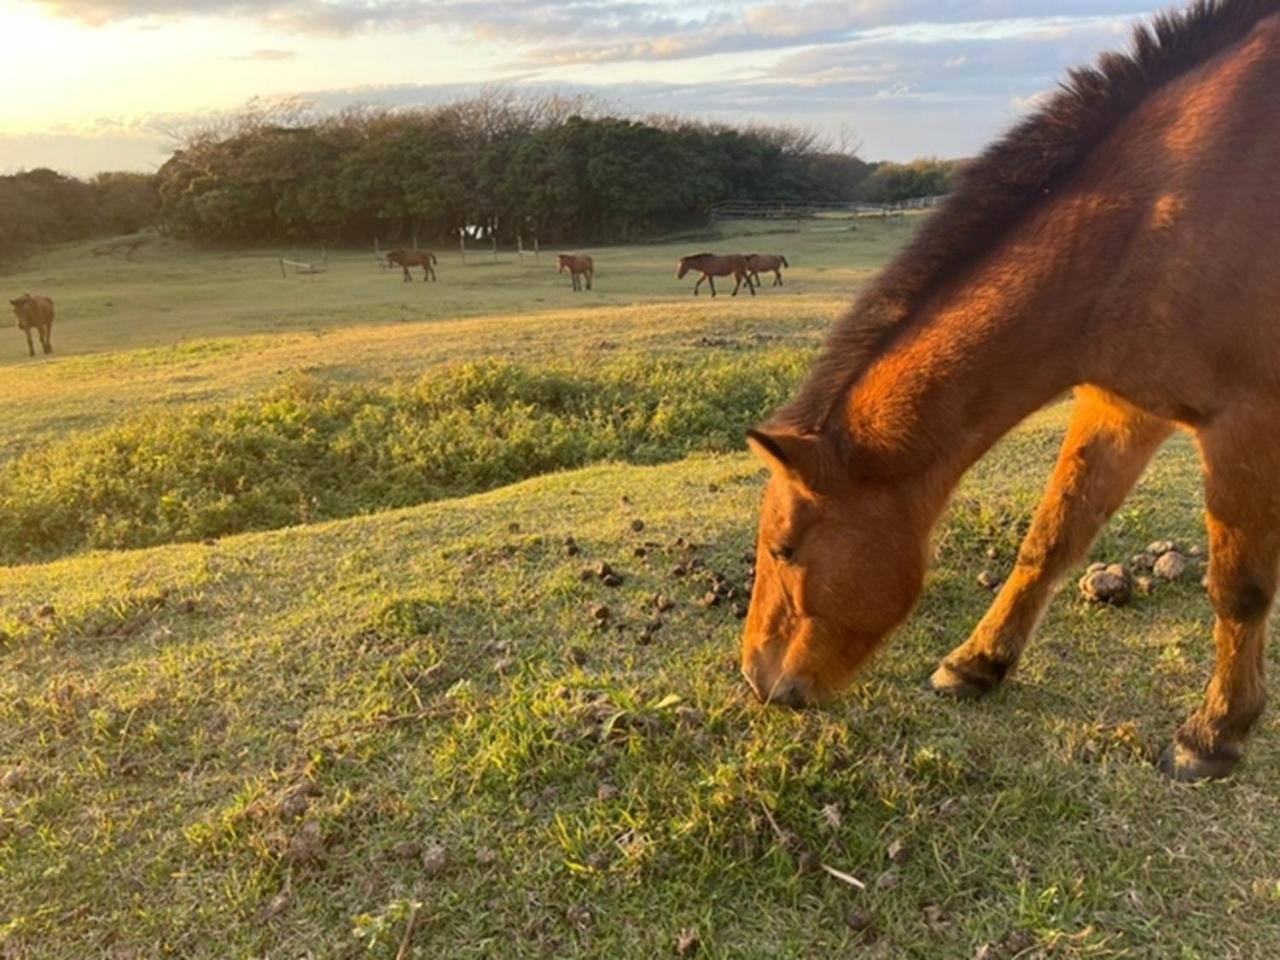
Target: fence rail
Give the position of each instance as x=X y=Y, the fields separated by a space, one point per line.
x=788 y=210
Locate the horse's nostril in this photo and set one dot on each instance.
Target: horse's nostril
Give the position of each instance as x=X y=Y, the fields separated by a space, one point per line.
x=789 y=693
x=782 y=690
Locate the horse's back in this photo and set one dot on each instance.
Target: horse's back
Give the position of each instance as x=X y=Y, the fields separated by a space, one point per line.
x=37 y=311
x=409 y=258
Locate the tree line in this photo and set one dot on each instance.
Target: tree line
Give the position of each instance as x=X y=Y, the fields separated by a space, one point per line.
x=559 y=170
x=40 y=206
x=491 y=166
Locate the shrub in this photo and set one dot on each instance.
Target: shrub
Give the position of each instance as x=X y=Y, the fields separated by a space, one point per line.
x=310 y=451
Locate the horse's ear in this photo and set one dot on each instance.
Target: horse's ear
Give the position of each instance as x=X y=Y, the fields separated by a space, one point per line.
x=800 y=457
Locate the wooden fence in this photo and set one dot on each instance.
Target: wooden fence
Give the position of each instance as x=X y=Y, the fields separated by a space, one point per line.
x=790 y=210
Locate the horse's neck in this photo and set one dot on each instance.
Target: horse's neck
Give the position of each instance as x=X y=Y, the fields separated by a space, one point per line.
x=1001 y=342
x=1060 y=300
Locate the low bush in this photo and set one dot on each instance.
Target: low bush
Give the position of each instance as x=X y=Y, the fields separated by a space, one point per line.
x=310 y=451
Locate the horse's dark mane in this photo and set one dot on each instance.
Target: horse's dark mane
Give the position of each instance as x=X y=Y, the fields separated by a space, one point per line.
x=998 y=189
x=695 y=256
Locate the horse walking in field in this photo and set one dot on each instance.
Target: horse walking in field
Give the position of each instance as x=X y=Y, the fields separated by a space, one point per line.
x=1109 y=243
x=581 y=268
x=35 y=313
x=768 y=262
x=414 y=258
x=712 y=265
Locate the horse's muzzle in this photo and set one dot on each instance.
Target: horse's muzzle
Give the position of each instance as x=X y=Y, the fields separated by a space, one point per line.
x=781 y=690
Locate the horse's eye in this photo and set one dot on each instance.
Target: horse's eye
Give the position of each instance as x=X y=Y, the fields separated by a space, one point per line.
x=783 y=554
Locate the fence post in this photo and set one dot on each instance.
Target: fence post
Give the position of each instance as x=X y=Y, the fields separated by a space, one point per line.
x=462 y=244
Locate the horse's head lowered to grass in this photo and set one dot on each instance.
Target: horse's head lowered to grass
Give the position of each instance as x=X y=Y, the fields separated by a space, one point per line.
x=839 y=563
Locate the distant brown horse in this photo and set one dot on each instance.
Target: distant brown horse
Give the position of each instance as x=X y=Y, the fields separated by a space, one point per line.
x=35 y=313
x=414 y=258
x=1120 y=242
x=580 y=267
x=712 y=265
x=767 y=262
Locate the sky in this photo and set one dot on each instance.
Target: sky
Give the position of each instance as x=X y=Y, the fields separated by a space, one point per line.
x=93 y=85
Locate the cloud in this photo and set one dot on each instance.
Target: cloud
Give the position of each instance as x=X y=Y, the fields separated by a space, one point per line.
x=484 y=19
x=265 y=56
x=972 y=66
x=909 y=76
x=1032 y=102
x=600 y=31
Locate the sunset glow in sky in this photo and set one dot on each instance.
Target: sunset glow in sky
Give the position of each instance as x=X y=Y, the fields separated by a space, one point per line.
x=109 y=84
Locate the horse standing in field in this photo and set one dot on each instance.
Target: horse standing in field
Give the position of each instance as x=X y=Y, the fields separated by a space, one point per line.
x=414 y=258
x=712 y=265
x=35 y=313
x=1110 y=244
x=581 y=268
x=768 y=262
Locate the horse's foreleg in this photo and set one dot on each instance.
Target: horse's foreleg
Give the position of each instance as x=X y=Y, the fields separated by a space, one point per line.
x=698 y=284
x=589 y=275
x=777 y=278
x=737 y=282
x=1107 y=446
x=408 y=277
x=31 y=347
x=711 y=281
x=1242 y=504
x=46 y=339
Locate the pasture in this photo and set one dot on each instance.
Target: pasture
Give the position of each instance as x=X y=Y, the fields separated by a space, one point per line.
x=212 y=325
x=413 y=732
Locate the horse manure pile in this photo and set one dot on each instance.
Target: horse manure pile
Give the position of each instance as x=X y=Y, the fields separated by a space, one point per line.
x=1114 y=584
x=691 y=577
x=1107 y=583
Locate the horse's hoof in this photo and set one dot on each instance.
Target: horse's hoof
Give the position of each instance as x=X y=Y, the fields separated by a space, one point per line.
x=1187 y=766
x=977 y=677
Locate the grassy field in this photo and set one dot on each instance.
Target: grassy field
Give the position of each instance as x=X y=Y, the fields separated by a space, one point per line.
x=405 y=734
x=177 y=326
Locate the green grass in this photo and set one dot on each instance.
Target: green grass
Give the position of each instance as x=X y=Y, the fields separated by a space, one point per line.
x=310 y=451
x=274 y=745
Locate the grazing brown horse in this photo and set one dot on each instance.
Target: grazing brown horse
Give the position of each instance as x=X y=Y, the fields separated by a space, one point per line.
x=1109 y=243
x=712 y=265
x=35 y=313
x=414 y=258
x=767 y=262
x=580 y=267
